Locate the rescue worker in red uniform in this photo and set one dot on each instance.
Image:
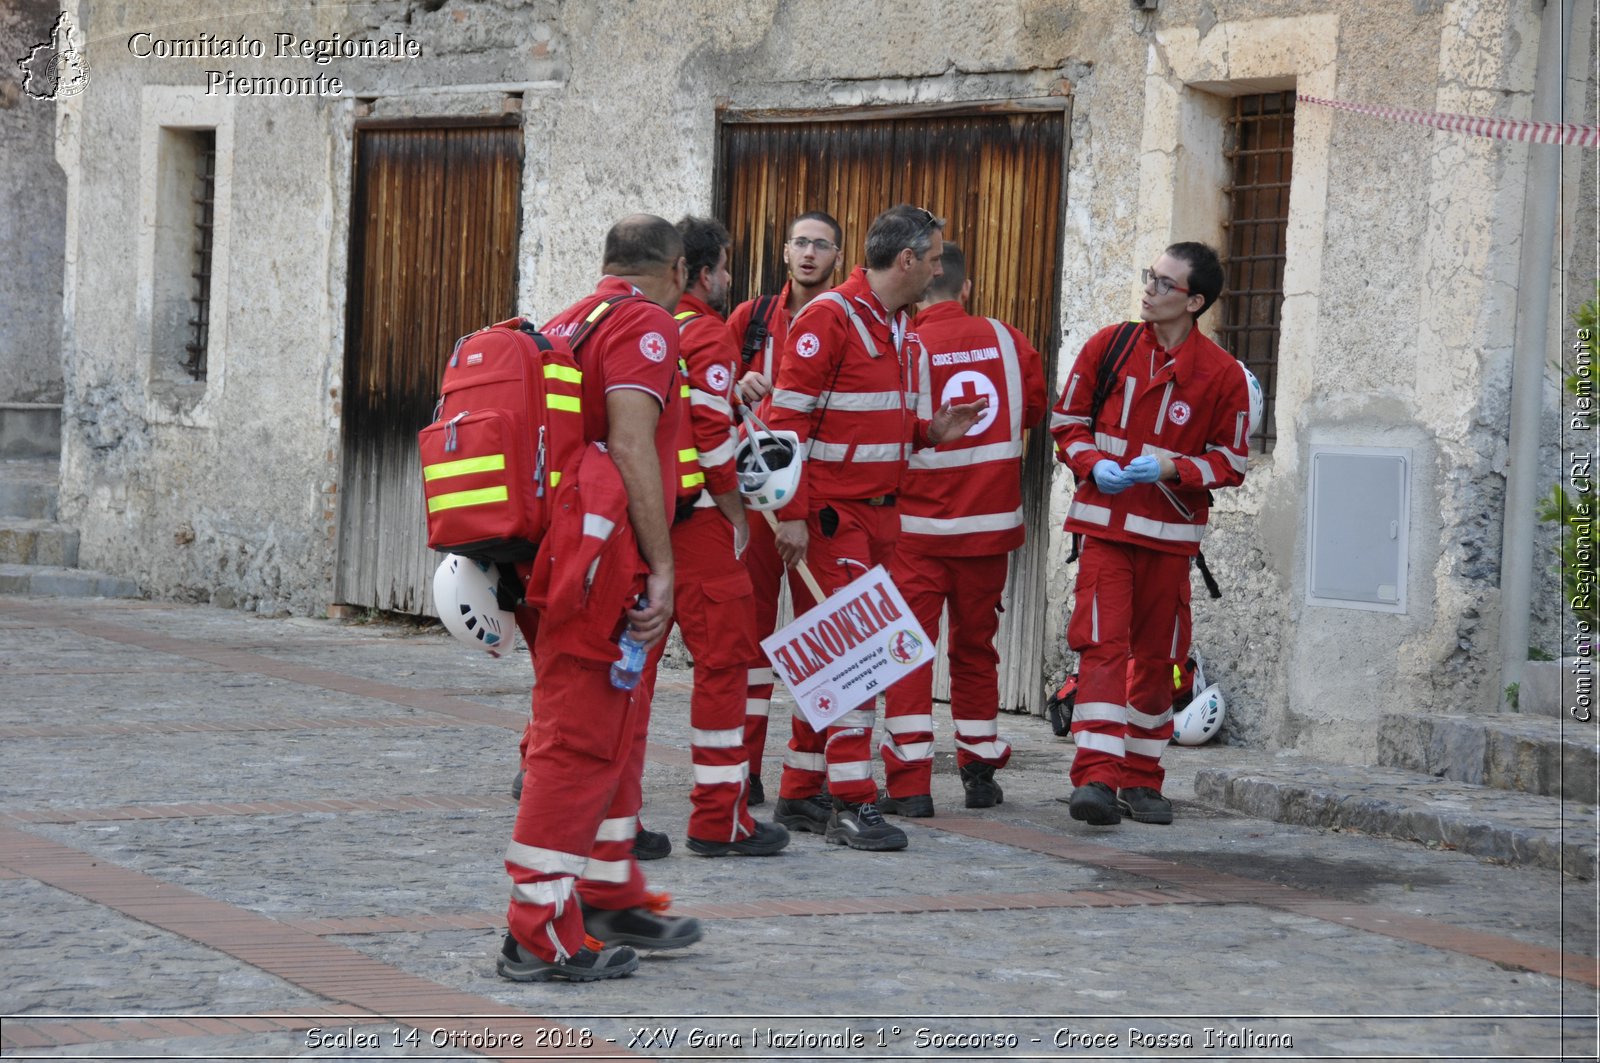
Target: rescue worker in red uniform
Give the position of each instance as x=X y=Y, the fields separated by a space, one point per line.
x=716 y=604
x=811 y=253
x=960 y=518
x=1172 y=428
x=846 y=388
x=579 y=904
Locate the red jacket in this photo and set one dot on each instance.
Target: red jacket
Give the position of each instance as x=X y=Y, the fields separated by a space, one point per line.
x=845 y=385
x=634 y=346
x=963 y=498
x=706 y=438
x=1195 y=410
x=767 y=359
x=588 y=571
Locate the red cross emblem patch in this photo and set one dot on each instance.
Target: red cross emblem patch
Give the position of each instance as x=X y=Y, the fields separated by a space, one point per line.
x=653 y=346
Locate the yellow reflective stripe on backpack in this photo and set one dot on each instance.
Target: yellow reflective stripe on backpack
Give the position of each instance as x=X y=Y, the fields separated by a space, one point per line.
x=569 y=403
x=567 y=373
x=464 y=467
x=694 y=479
x=456 y=500
x=594 y=315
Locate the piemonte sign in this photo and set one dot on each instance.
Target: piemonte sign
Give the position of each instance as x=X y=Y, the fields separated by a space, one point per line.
x=840 y=654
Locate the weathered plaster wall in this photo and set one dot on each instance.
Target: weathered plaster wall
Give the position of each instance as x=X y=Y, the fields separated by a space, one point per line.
x=1397 y=326
x=33 y=196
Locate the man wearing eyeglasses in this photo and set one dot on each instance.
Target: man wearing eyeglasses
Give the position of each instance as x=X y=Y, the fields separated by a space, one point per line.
x=847 y=388
x=1154 y=418
x=760 y=328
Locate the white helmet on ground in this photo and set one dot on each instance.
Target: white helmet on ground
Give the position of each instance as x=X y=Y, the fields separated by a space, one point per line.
x=464 y=593
x=768 y=465
x=1258 y=399
x=1201 y=719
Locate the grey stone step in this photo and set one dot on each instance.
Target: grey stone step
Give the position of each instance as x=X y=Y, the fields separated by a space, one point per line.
x=1509 y=751
x=1498 y=825
x=30 y=430
x=37 y=542
x=55 y=581
x=29 y=489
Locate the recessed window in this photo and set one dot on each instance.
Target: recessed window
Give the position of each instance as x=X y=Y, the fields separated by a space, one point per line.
x=1260 y=153
x=185 y=243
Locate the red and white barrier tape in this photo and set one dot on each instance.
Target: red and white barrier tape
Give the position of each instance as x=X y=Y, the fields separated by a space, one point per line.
x=1583 y=136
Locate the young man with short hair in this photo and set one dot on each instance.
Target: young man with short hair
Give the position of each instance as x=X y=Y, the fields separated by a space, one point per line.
x=760 y=328
x=1172 y=426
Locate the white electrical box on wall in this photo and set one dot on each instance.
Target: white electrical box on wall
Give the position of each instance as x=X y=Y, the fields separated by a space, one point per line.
x=1357 y=524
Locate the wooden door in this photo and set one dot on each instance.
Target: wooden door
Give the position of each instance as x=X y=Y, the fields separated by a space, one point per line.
x=434 y=230
x=997 y=178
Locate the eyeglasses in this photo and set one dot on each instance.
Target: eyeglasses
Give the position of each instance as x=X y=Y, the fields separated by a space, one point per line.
x=800 y=243
x=1164 y=285
x=928 y=217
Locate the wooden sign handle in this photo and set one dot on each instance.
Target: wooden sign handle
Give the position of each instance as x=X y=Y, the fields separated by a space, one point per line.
x=805 y=573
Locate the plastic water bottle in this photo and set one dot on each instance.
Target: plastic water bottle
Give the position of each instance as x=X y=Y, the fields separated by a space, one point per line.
x=626 y=673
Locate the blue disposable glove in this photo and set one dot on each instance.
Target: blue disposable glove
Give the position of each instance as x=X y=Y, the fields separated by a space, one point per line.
x=1143 y=470
x=1109 y=477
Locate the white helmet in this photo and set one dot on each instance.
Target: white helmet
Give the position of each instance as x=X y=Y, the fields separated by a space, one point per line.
x=1258 y=399
x=768 y=464
x=1201 y=720
x=464 y=593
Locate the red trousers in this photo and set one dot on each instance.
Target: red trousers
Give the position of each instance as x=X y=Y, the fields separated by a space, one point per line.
x=1130 y=625
x=972 y=587
x=847 y=539
x=716 y=613
x=583 y=764
x=765 y=568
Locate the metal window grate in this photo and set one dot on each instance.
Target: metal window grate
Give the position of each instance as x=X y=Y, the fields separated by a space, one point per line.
x=205 y=191
x=1261 y=154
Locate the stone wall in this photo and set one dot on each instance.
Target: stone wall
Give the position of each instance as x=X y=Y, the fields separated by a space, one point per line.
x=33 y=193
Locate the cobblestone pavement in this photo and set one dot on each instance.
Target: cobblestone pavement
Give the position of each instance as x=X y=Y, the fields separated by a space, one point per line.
x=225 y=837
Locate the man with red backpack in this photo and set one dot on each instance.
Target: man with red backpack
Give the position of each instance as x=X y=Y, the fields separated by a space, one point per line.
x=760 y=329
x=579 y=904
x=1153 y=418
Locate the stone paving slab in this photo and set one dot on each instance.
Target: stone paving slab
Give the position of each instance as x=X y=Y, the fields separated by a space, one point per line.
x=80 y=958
x=1353 y=945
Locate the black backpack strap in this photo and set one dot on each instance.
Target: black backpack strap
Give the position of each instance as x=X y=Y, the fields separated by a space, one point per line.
x=540 y=340
x=1077 y=543
x=760 y=327
x=1205 y=574
x=1110 y=366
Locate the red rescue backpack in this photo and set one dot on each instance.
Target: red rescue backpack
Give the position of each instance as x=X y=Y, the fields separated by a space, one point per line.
x=508 y=423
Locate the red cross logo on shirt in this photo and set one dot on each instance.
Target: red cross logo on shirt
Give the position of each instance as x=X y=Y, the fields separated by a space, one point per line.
x=967 y=394
x=968 y=386
x=653 y=346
